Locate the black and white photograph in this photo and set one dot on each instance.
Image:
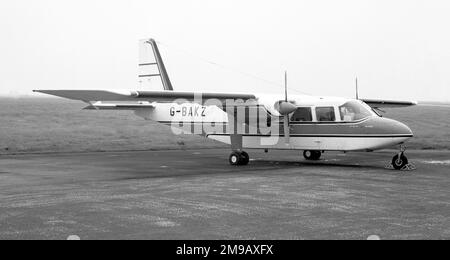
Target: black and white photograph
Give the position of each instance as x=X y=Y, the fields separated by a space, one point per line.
x=225 y=127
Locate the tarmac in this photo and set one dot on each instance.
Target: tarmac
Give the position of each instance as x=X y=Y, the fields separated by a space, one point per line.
x=196 y=194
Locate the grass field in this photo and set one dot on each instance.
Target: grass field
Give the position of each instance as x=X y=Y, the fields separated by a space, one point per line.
x=56 y=125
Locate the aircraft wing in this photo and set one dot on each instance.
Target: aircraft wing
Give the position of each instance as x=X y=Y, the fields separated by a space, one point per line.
x=103 y=99
x=376 y=103
x=92 y=95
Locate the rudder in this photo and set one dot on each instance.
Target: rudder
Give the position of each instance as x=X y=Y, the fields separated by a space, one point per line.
x=151 y=64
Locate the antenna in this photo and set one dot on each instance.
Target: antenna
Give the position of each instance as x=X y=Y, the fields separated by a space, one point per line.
x=356 y=82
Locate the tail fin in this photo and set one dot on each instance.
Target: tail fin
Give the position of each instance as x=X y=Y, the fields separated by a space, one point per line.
x=151 y=63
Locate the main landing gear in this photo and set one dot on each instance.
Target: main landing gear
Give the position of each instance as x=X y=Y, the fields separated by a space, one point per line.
x=399 y=161
x=239 y=158
x=312 y=155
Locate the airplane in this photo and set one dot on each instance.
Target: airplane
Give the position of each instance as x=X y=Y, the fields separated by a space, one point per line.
x=312 y=124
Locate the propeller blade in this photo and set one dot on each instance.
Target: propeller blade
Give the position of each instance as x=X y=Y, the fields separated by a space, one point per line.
x=285 y=108
x=285 y=87
x=287 y=134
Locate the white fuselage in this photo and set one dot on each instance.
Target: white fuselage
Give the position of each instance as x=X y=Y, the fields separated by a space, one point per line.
x=321 y=123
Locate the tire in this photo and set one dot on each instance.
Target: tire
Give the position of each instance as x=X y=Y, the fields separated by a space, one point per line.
x=307 y=154
x=312 y=155
x=235 y=158
x=245 y=158
x=399 y=162
x=317 y=155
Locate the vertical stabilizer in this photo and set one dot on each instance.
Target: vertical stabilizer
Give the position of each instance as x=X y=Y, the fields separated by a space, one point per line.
x=151 y=64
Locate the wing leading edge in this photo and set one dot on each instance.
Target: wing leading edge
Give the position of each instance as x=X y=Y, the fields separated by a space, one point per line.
x=376 y=103
x=150 y=96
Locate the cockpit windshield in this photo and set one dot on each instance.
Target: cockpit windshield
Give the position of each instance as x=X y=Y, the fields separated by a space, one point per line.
x=354 y=110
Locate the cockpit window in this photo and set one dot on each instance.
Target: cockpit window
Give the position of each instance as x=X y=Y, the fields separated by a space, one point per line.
x=353 y=110
x=325 y=114
x=302 y=114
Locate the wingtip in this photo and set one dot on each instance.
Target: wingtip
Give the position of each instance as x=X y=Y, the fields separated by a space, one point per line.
x=40 y=91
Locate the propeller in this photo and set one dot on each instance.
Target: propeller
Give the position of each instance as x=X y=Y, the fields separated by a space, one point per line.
x=285 y=108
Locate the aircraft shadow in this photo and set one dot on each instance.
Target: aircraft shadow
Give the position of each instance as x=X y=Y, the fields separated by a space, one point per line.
x=255 y=165
x=324 y=163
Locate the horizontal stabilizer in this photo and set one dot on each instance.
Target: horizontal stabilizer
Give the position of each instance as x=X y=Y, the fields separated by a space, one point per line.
x=118 y=106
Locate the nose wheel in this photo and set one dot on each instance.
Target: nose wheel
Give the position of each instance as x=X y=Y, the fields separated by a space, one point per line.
x=400 y=161
x=239 y=158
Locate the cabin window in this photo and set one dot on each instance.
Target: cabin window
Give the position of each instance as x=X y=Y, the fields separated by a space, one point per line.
x=325 y=114
x=302 y=114
x=353 y=110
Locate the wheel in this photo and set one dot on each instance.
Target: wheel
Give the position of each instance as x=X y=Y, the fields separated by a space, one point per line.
x=239 y=158
x=316 y=155
x=312 y=155
x=307 y=154
x=398 y=162
x=235 y=158
x=245 y=158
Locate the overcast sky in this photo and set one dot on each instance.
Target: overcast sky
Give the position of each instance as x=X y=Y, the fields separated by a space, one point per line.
x=398 y=49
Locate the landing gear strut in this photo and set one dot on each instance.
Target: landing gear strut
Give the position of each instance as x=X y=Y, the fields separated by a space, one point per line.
x=399 y=160
x=239 y=158
x=312 y=155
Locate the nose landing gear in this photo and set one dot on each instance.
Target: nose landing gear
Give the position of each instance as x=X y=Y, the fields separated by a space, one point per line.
x=239 y=158
x=400 y=161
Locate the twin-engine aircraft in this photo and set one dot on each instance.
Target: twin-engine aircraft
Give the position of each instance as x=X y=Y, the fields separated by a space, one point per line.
x=312 y=124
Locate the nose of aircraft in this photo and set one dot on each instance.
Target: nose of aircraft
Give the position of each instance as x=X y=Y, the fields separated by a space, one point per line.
x=397 y=128
x=386 y=126
x=406 y=129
